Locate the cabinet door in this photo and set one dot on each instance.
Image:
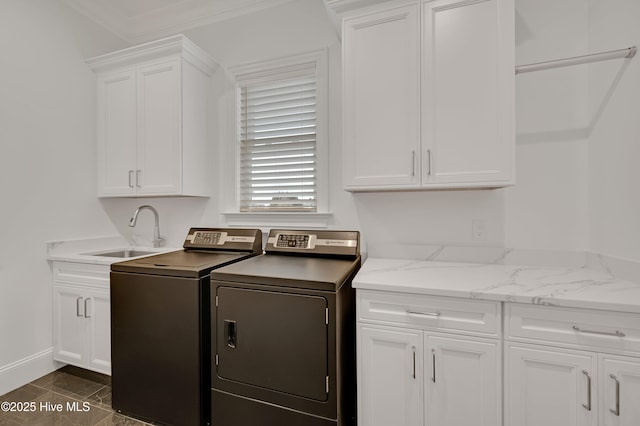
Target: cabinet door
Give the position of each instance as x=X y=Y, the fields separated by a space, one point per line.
x=98 y=314
x=382 y=99
x=463 y=382
x=467 y=92
x=116 y=133
x=159 y=154
x=69 y=325
x=389 y=377
x=620 y=384
x=550 y=387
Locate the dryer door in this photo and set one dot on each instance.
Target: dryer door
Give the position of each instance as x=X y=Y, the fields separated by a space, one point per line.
x=273 y=340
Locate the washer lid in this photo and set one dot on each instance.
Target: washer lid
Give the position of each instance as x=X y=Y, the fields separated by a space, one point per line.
x=184 y=263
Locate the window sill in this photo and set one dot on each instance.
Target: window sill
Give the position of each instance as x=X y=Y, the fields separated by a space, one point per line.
x=266 y=220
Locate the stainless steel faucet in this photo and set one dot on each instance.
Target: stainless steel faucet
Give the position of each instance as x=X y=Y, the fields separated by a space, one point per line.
x=157 y=241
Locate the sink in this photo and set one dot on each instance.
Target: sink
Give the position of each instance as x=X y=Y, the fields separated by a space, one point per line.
x=123 y=253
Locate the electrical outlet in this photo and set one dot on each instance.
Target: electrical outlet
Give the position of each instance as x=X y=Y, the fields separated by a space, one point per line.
x=479 y=230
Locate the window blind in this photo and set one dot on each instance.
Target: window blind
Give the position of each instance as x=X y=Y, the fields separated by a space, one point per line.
x=278 y=145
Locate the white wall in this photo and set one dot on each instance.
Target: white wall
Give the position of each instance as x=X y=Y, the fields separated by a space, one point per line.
x=547 y=209
x=614 y=143
x=47 y=177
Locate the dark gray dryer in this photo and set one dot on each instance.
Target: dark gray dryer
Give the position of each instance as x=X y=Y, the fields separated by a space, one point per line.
x=283 y=333
x=160 y=335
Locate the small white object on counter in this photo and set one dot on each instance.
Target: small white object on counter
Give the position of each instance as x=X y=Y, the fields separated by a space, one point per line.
x=570 y=287
x=84 y=251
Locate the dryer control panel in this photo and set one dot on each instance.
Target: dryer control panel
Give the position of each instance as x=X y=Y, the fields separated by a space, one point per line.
x=316 y=242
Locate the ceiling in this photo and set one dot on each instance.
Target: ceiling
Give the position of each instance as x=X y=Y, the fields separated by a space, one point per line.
x=142 y=20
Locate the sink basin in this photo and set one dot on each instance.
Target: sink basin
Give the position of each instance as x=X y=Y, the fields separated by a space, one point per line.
x=123 y=253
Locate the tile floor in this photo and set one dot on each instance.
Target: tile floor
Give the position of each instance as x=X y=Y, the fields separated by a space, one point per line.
x=84 y=398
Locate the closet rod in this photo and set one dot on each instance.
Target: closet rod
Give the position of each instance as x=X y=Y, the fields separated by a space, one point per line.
x=594 y=57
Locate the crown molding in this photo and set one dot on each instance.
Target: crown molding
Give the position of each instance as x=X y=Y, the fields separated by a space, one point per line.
x=339 y=9
x=167 y=20
x=342 y=6
x=178 y=46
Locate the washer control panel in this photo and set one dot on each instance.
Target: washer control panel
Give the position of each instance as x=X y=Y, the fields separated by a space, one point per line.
x=224 y=239
x=209 y=238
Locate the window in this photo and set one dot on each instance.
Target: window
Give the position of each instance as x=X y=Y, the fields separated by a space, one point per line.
x=278 y=143
x=281 y=144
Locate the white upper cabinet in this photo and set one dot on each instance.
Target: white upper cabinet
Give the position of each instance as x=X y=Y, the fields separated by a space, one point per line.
x=153 y=103
x=429 y=95
x=382 y=99
x=159 y=128
x=467 y=93
x=117 y=146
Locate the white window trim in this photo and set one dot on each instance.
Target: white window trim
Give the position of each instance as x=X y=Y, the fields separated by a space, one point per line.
x=322 y=217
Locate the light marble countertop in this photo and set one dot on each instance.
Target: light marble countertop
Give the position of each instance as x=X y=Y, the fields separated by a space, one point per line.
x=553 y=286
x=88 y=250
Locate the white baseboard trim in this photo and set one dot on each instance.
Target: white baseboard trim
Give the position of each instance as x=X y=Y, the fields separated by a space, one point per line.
x=23 y=371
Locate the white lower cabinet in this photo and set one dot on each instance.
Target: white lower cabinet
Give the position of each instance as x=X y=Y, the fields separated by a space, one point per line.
x=620 y=395
x=567 y=367
x=82 y=321
x=390 y=376
x=411 y=374
x=463 y=385
x=438 y=361
x=562 y=387
x=550 y=387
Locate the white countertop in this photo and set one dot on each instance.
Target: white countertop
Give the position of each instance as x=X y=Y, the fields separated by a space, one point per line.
x=570 y=287
x=88 y=250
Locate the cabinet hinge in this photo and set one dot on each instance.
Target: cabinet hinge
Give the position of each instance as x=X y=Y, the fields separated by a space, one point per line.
x=216 y=300
x=327 y=384
x=217 y=359
x=326 y=316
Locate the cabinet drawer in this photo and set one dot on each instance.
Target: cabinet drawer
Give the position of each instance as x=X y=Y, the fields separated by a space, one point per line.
x=444 y=313
x=573 y=326
x=81 y=273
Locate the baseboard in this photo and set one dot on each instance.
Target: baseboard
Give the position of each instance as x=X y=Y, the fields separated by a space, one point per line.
x=26 y=370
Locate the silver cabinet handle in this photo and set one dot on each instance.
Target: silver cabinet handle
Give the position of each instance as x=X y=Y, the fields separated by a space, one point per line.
x=413 y=163
x=86 y=308
x=78 y=300
x=616 y=411
x=587 y=406
x=138 y=178
x=425 y=314
x=616 y=333
x=414 y=362
x=433 y=365
x=130 y=178
x=429 y=161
